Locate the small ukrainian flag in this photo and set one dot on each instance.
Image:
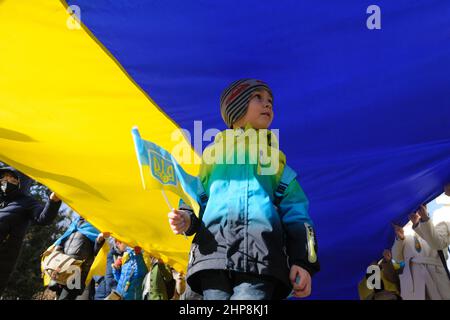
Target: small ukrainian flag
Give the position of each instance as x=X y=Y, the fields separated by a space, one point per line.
x=160 y=171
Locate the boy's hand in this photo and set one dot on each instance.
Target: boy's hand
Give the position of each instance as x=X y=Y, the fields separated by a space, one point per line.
x=179 y=221
x=301 y=289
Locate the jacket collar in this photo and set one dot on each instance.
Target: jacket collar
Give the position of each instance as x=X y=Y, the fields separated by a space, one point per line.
x=271 y=137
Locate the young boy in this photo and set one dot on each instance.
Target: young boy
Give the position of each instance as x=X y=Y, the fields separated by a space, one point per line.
x=254 y=238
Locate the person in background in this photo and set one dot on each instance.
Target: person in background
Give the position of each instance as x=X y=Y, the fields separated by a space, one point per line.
x=436 y=233
x=159 y=283
x=389 y=288
x=104 y=285
x=129 y=272
x=18 y=211
x=81 y=241
x=180 y=284
x=423 y=277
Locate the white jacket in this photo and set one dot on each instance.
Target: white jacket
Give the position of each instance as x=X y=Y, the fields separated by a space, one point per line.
x=424 y=276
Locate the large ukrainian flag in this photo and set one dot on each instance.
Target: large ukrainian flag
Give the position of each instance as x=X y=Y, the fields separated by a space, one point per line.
x=66 y=110
x=363 y=113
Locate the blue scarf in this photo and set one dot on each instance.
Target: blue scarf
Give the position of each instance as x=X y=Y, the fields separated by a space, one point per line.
x=85 y=228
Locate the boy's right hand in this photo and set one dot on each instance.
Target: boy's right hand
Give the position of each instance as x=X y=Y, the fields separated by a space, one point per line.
x=179 y=221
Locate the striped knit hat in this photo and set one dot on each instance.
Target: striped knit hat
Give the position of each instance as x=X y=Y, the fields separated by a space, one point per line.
x=234 y=99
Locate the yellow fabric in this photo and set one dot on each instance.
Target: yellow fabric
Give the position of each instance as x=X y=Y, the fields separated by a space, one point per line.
x=98 y=267
x=66 y=110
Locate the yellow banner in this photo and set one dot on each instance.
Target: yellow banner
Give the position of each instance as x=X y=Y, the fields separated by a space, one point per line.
x=66 y=110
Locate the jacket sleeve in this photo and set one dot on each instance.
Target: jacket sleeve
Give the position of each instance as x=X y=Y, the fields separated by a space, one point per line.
x=195 y=221
x=301 y=242
x=437 y=237
x=141 y=266
x=44 y=216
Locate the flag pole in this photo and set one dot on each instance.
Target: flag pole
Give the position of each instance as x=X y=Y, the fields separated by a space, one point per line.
x=136 y=135
x=167 y=200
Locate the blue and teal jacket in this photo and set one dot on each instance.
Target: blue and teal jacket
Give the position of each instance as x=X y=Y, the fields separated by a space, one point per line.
x=131 y=275
x=253 y=221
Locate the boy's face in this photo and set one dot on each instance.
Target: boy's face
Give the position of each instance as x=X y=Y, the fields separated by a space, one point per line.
x=259 y=113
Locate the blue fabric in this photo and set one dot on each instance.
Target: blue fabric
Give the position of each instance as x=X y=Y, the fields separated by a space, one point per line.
x=363 y=114
x=85 y=228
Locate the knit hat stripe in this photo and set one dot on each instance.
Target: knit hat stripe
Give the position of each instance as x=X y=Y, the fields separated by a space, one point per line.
x=249 y=89
x=230 y=88
x=242 y=101
x=237 y=106
x=239 y=114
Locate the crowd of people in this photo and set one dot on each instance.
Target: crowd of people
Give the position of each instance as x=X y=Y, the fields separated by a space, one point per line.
x=130 y=273
x=416 y=267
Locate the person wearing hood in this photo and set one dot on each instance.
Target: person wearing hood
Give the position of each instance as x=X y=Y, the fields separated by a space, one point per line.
x=18 y=211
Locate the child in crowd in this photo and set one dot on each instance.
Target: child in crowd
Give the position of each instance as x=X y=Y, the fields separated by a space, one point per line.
x=254 y=238
x=129 y=272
